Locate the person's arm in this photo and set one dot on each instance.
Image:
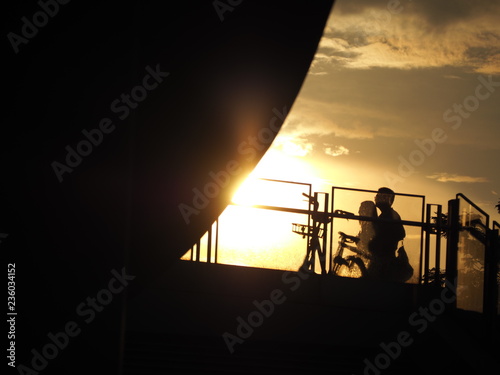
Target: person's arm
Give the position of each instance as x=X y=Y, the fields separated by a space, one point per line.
x=400 y=229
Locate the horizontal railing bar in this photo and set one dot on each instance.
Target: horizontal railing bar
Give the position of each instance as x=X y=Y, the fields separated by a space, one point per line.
x=375 y=191
x=337 y=215
x=287 y=182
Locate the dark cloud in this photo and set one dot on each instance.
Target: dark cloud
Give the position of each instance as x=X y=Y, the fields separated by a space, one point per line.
x=358 y=6
x=437 y=13
x=481 y=53
x=444 y=12
x=488 y=36
x=351 y=35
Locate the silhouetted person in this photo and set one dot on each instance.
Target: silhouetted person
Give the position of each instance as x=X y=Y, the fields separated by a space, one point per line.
x=384 y=265
x=367 y=231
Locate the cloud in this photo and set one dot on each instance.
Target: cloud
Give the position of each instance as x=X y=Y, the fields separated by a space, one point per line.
x=315 y=117
x=293 y=145
x=436 y=13
x=421 y=34
x=447 y=177
x=336 y=150
x=328 y=125
x=446 y=12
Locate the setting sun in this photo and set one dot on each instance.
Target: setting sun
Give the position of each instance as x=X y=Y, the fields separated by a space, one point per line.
x=252 y=236
x=257 y=237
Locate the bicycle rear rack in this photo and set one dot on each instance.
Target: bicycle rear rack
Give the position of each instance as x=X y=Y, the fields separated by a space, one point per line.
x=305 y=230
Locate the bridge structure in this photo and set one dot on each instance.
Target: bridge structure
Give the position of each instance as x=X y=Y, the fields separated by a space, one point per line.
x=306 y=318
x=460 y=243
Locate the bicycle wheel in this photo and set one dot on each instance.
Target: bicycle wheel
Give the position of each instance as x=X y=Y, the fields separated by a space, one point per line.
x=351 y=267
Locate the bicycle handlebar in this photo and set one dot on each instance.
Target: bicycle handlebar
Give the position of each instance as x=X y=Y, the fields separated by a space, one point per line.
x=342 y=212
x=349 y=238
x=312 y=200
x=310 y=197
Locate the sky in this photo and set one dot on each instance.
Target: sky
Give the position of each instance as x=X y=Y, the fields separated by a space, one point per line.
x=404 y=94
x=392 y=99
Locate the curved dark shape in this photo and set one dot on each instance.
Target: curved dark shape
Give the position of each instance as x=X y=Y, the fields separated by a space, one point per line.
x=226 y=111
x=99 y=158
x=224 y=76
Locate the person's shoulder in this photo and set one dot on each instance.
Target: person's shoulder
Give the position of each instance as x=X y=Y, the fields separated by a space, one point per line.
x=395 y=215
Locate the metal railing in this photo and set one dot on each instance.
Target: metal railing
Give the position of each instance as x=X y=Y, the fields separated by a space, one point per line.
x=472 y=256
x=423 y=225
x=435 y=227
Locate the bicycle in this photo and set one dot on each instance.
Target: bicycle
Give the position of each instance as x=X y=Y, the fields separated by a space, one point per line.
x=350 y=266
x=353 y=265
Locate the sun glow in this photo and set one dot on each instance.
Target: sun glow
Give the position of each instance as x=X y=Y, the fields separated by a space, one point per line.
x=260 y=237
x=275 y=165
x=250 y=235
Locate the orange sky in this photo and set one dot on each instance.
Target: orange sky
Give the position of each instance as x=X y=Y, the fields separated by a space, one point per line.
x=400 y=94
x=392 y=98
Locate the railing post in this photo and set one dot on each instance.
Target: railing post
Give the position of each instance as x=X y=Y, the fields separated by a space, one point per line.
x=330 y=260
x=198 y=251
x=439 y=223
x=216 y=240
x=209 y=244
x=427 y=243
x=490 y=300
x=452 y=246
x=325 y=234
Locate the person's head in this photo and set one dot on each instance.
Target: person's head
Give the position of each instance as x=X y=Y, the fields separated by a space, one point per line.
x=384 y=198
x=367 y=208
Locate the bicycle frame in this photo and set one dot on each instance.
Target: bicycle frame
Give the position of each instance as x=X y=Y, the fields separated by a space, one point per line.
x=346 y=241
